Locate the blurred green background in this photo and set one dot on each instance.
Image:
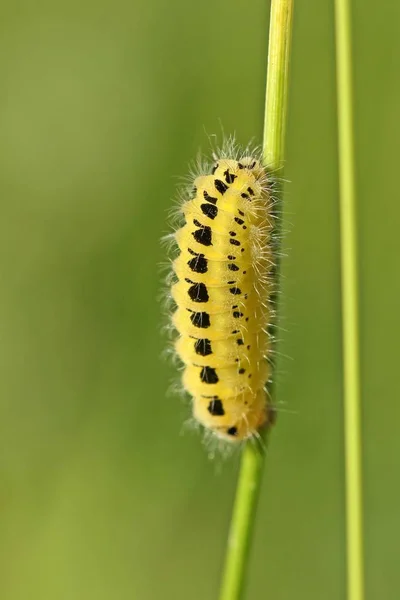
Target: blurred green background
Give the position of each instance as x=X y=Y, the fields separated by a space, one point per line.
x=102 y=106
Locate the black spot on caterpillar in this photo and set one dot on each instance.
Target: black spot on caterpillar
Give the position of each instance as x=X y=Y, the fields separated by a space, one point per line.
x=220 y=186
x=216 y=407
x=198 y=292
x=208 y=375
x=209 y=198
x=203 y=347
x=232 y=431
x=237 y=314
x=198 y=264
x=202 y=235
x=229 y=177
x=209 y=210
x=200 y=319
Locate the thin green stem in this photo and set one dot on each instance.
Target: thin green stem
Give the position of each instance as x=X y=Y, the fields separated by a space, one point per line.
x=277 y=82
x=352 y=397
x=248 y=486
x=242 y=523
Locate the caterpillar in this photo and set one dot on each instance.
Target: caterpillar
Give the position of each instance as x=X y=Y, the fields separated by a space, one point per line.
x=223 y=288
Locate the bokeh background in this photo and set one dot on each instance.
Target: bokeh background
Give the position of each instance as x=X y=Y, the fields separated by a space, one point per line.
x=102 y=106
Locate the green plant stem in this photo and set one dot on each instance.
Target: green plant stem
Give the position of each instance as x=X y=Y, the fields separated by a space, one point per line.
x=348 y=241
x=273 y=146
x=280 y=33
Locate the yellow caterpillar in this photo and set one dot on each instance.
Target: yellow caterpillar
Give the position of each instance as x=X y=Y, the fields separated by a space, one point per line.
x=222 y=293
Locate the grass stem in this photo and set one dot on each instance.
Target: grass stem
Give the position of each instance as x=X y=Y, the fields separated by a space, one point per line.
x=252 y=461
x=348 y=241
